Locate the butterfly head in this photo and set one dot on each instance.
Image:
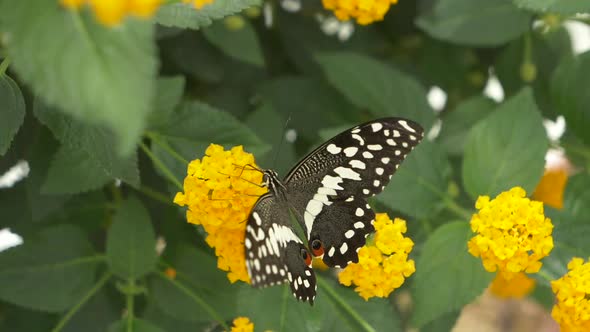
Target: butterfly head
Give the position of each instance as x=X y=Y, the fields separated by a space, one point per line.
x=269 y=177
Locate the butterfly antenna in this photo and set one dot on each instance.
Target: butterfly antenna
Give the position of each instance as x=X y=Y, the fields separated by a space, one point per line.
x=274 y=162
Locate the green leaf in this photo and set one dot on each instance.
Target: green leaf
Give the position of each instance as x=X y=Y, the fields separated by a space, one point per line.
x=316 y=99
x=154 y=315
x=169 y=94
x=73 y=171
x=138 y=325
x=241 y=44
x=447 y=276
x=377 y=312
x=456 y=124
x=200 y=125
x=269 y=124
x=131 y=242
x=183 y=15
x=427 y=172
x=506 y=149
x=51 y=271
x=569 y=92
x=97 y=142
x=375 y=86
x=572 y=223
x=13 y=111
x=276 y=309
x=563 y=7
x=443 y=323
x=98 y=75
x=95 y=316
x=474 y=22
x=197 y=272
x=193 y=127
x=547 y=50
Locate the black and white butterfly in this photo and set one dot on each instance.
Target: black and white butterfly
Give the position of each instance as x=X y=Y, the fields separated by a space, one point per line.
x=327 y=193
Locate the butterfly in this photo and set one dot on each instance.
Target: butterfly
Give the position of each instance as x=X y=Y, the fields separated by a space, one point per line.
x=326 y=192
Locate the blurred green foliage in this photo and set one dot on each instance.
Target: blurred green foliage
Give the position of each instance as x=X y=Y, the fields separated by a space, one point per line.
x=107 y=119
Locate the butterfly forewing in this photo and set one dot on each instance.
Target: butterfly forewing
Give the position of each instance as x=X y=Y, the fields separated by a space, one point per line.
x=273 y=250
x=355 y=164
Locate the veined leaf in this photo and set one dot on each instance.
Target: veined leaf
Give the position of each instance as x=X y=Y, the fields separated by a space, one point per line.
x=183 y=15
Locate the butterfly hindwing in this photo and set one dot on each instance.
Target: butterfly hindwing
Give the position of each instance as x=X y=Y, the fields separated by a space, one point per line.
x=342 y=229
x=274 y=251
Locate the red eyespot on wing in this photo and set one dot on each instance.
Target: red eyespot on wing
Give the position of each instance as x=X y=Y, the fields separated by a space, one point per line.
x=317 y=248
x=306 y=257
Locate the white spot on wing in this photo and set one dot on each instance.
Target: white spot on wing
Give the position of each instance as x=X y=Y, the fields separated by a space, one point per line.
x=349 y=233
x=376 y=126
x=359 y=212
x=358 y=138
x=306 y=283
x=359 y=225
x=351 y=151
x=343 y=248
x=332 y=182
x=347 y=173
x=374 y=147
x=404 y=124
x=379 y=170
x=331 y=252
x=385 y=160
x=357 y=164
x=257 y=218
x=367 y=155
x=333 y=149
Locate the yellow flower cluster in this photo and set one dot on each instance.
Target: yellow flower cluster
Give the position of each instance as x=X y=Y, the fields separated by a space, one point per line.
x=551 y=187
x=364 y=11
x=519 y=286
x=513 y=233
x=112 y=12
x=242 y=324
x=572 y=310
x=220 y=191
x=384 y=265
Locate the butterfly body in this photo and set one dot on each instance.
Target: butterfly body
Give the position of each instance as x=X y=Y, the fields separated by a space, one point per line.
x=326 y=192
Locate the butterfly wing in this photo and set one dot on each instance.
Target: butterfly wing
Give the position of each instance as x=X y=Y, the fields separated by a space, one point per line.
x=274 y=251
x=354 y=165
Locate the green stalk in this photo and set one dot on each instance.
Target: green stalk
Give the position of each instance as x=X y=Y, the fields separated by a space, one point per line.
x=4 y=65
x=130 y=300
x=161 y=166
x=66 y=318
x=340 y=302
x=156 y=139
x=188 y=292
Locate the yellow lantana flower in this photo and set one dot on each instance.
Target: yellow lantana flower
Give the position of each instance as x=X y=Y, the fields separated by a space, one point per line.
x=364 y=11
x=384 y=265
x=198 y=3
x=112 y=12
x=572 y=310
x=519 y=286
x=220 y=191
x=551 y=187
x=513 y=234
x=242 y=324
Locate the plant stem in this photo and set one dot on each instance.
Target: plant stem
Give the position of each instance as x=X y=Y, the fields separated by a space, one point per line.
x=160 y=165
x=195 y=298
x=4 y=65
x=156 y=195
x=340 y=301
x=130 y=299
x=66 y=318
x=460 y=211
x=156 y=139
